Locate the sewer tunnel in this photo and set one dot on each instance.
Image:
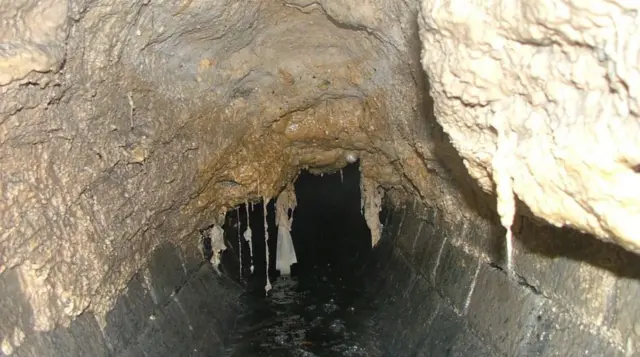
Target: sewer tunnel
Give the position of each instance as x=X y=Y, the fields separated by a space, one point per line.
x=489 y=177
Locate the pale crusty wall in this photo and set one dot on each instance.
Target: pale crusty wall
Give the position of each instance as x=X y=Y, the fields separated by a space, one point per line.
x=32 y=36
x=556 y=84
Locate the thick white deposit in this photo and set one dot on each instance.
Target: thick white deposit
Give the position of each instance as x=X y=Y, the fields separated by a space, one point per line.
x=551 y=88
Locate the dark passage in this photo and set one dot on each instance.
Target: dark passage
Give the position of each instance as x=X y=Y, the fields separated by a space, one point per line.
x=319 y=310
x=416 y=294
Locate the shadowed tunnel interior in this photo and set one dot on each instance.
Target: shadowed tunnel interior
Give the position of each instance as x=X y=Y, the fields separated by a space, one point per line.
x=329 y=231
x=322 y=308
x=395 y=144
x=328 y=226
x=414 y=294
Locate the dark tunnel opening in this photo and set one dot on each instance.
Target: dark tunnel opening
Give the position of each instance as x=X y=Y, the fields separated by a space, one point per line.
x=329 y=229
x=329 y=232
x=419 y=292
x=322 y=306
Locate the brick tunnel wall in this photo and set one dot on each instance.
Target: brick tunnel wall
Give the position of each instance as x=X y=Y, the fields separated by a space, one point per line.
x=448 y=294
x=175 y=306
x=444 y=293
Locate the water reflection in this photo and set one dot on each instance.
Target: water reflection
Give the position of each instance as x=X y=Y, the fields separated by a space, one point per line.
x=317 y=314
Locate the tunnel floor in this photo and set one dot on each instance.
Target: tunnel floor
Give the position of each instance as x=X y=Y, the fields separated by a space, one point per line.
x=311 y=315
x=321 y=309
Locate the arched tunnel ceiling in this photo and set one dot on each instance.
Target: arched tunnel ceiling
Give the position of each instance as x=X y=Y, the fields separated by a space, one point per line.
x=141 y=122
x=124 y=124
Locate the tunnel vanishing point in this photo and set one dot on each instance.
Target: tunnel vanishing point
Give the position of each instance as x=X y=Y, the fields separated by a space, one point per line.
x=503 y=138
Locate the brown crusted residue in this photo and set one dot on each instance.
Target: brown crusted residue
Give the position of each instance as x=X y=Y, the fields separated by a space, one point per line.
x=264 y=160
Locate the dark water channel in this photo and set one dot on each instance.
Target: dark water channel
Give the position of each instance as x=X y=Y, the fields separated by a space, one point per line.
x=311 y=315
x=322 y=309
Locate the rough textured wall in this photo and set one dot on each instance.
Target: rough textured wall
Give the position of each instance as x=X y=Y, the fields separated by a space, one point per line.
x=126 y=124
x=541 y=99
x=32 y=37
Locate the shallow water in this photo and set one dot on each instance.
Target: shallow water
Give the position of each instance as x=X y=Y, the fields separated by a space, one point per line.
x=317 y=314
